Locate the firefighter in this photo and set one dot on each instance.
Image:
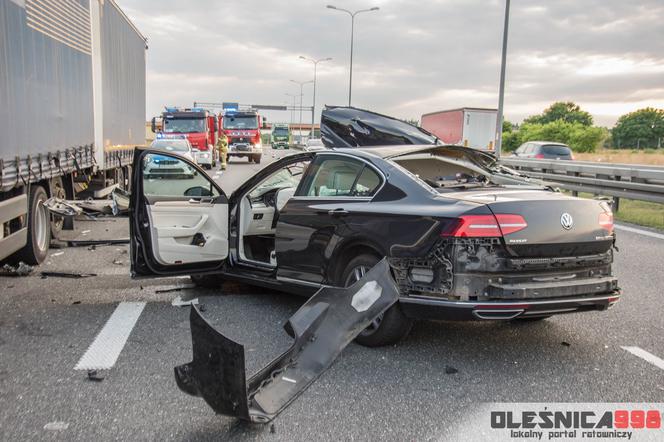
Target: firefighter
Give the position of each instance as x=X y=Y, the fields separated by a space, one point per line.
x=222 y=145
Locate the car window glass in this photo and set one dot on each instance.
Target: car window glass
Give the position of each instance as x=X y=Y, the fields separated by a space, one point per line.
x=529 y=148
x=367 y=183
x=554 y=149
x=286 y=177
x=169 y=176
x=334 y=177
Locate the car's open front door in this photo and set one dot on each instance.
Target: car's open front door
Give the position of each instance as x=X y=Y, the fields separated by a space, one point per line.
x=178 y=217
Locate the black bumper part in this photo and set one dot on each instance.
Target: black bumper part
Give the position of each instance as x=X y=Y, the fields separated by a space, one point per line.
x=439 y=309
x=322 y=328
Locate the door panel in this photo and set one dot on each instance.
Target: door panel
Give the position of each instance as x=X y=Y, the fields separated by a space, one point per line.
x=184 y=232
x=178 y=217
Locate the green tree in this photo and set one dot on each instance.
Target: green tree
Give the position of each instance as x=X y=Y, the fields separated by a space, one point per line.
x=507 y=126
x=642 y=128
x=566 y=111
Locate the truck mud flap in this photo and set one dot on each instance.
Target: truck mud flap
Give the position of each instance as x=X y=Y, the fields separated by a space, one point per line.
x=322 y=328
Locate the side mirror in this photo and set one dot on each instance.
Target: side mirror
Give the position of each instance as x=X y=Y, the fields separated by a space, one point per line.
x=154 y=125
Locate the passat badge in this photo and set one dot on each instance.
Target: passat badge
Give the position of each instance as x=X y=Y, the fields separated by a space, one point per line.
x=566 y=221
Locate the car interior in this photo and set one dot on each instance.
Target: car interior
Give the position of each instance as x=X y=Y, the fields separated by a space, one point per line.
x=259 y=212
x=441 y=172
x=260 y=207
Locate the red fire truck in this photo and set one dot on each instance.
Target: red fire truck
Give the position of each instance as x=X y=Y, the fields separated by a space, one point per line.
x=198 y=125
x=243 y=129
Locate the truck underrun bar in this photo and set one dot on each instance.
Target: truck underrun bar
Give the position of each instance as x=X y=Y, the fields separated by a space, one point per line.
x=322 y=328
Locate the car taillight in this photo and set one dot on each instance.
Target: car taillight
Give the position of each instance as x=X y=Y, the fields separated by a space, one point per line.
x=539 y=156
x=485 y=226
x=606 y=221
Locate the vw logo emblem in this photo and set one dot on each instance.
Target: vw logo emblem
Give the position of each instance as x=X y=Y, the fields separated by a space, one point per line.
x=566 y=221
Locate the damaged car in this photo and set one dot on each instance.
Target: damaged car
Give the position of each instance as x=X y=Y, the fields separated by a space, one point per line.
x=465 y=238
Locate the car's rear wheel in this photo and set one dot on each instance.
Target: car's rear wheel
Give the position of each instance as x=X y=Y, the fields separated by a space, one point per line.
x=207 y=281
x=388 y=328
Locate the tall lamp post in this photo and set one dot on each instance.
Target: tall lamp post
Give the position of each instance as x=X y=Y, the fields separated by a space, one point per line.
x=313 y=107
x=501 y=93
x=301 y=83
x=293 y=108
x=352 y=36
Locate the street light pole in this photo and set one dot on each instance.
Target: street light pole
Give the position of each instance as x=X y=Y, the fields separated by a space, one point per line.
x=501 y=93
x=313 y=107
x=293 y=108
x=301 y=83
x=352 y=37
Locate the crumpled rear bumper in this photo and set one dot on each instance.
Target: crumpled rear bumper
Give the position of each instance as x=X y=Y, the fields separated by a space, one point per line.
x=322 y=328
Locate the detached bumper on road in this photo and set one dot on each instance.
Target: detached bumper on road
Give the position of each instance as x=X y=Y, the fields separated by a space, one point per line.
x=322 y=328
x=429 y=308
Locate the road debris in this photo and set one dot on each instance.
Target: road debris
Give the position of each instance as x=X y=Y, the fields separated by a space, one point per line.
x=22 y=269
x=565 y=344
x=66 y=275
x=179 y=302
x=450 y=370
x=96 y=242
x=56 y=426
x=57 y=254
x=94 y=377
x=321 y=329
x=176 y=289
x=117 y=205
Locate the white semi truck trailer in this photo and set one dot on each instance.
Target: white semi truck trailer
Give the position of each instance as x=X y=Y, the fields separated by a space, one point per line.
x=72 y=109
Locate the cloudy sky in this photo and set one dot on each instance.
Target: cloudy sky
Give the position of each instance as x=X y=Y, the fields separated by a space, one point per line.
x=411 y=57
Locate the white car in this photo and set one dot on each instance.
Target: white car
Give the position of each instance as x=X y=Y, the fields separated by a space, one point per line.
x=178 y=146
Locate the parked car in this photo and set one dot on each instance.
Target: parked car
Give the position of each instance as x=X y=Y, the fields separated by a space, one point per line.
x=180 y=146
x=544 y=150
x=466 y=239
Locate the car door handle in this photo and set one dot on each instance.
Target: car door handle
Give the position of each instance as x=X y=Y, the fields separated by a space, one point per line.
x=337 y=212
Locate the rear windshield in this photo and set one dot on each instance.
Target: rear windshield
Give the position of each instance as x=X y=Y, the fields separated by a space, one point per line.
x=555 y=149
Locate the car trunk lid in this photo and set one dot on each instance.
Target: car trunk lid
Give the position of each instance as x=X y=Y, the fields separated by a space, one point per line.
x=557 y=224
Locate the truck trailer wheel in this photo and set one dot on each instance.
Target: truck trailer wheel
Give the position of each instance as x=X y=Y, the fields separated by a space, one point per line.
x=57 y=191
x=257 y=159
x=39 y=228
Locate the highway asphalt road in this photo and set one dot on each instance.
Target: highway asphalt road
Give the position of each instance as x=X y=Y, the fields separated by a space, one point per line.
x=404 y=392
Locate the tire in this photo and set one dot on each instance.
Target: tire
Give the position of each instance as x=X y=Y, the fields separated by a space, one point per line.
x=390 y=327
x=57 y=191
x=207 y=281
x=257 y=159
x=39 y=228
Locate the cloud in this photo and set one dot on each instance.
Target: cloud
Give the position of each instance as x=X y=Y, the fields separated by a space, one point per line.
x=409 y=57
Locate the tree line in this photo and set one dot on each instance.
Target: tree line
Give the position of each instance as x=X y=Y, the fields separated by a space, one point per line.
x=566 y=122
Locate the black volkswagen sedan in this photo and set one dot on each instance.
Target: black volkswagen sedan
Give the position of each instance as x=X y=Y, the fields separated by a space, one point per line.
x=465 y=239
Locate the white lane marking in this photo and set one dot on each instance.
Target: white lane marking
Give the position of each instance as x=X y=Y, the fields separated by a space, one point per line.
x=646 y=356
x=105 y=349
x=639 y=231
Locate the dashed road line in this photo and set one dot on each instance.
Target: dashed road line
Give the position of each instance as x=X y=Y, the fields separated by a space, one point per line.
x=639 y=231
x=105 y=349
x=646 y=356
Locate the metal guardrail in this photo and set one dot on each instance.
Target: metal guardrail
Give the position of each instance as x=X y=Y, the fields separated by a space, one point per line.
x=631 y=181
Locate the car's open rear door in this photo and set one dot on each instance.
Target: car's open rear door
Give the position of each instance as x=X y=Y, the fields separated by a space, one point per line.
x=178 y=217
